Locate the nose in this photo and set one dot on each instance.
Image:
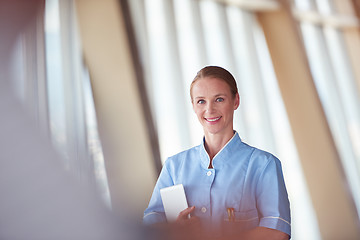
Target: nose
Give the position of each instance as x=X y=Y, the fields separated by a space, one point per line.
x=210 y=107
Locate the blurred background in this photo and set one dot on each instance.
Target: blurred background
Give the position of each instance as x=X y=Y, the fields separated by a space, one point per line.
x=107 y=84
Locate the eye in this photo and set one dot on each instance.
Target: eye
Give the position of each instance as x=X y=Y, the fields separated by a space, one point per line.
x=220 y=99
x=201 y=101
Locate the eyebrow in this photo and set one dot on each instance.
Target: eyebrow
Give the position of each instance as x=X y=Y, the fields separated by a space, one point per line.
x=217 y=95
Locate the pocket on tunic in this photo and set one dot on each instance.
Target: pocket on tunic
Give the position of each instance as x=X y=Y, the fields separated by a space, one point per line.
x=244 y=220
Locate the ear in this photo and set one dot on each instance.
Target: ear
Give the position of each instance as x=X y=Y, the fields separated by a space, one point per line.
x=237 y=101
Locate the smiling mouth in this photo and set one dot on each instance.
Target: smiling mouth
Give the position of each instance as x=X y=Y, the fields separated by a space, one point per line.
x=212 y=119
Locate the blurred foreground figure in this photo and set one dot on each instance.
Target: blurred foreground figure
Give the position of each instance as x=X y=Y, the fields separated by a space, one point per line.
x=38 y=199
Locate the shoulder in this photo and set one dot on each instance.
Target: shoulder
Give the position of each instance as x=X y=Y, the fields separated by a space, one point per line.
x=260 y=157
x=180 y=157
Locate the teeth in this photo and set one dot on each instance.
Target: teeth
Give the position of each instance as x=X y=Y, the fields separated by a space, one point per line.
x=213 y=119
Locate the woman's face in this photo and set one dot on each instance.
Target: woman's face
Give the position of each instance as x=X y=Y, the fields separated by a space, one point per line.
x=214 y=105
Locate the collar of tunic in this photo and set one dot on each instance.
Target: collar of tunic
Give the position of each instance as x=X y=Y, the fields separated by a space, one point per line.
x=220 y=158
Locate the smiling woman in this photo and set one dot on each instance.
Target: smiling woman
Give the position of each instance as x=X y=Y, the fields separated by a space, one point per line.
x=233 y=189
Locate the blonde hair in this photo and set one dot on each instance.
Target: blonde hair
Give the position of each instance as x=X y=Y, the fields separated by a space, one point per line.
x=216 y=72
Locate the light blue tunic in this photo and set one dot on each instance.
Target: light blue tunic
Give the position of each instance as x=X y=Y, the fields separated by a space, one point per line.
x=243 y=177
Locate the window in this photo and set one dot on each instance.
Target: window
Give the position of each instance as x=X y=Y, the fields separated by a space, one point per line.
x=72 y=116
x=51 y=80
x=335 y=81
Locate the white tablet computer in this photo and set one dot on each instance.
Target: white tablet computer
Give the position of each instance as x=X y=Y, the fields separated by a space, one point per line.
x=174 y=201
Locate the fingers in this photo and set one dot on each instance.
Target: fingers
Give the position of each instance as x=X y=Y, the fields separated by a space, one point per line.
x=185 y=214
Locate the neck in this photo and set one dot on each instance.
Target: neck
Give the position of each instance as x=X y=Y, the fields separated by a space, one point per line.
x=215 y=142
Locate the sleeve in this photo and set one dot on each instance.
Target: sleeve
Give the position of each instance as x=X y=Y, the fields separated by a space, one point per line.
x=155 y=212
x=272 y=198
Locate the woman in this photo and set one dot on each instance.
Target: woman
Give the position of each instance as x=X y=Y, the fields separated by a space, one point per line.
x=234 y=190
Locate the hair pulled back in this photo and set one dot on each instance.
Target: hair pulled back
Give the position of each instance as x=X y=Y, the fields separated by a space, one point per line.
x=216 y=72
